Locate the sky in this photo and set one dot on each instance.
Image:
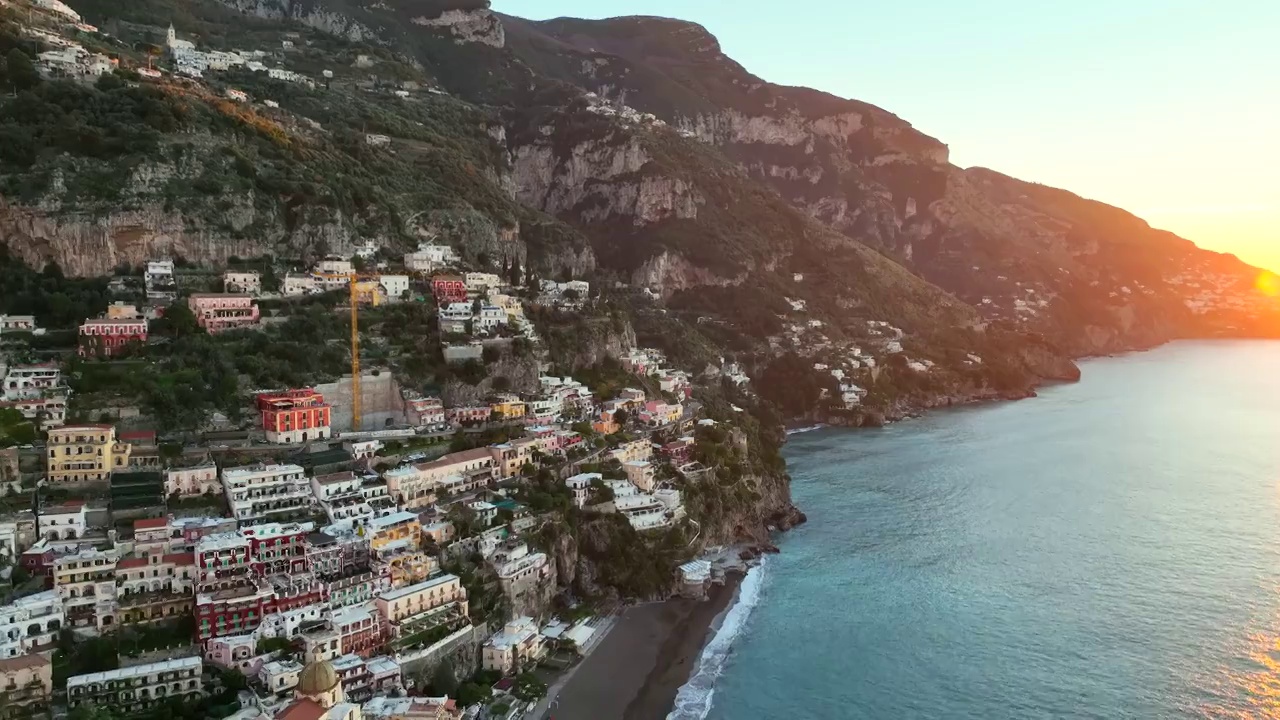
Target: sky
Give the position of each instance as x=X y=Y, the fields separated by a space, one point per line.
x=1167 y=108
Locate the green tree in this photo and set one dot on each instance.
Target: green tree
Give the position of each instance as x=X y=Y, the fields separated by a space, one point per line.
x=21 y=73
x=443 y=680
x=471 y=693
x=177 y=321
x=514 y=276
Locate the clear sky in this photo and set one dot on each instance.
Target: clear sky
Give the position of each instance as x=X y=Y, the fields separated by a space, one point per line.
x=1167 y=108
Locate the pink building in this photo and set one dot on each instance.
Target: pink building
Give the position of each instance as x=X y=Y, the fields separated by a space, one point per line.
x=108 y=336
x=216 y=312
x=460 y=415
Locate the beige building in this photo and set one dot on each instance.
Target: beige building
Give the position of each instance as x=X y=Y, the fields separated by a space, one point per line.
x=156 y=587
x=193 y=481
x=86 y=583
x=27 y=684
x=416 y=485
x=84 y=454
x=248 y=283
x=134 y=688
x=398 y=605
x=517 y=646
x=631 y=451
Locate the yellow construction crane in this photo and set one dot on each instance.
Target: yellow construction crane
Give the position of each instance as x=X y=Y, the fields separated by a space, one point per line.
x=355 y=355
x=357 y=291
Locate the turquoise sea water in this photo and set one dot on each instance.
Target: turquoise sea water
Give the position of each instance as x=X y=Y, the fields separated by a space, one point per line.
x=1110 y=549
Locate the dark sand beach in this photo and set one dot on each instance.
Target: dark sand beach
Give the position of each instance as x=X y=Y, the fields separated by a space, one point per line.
x=651 y=651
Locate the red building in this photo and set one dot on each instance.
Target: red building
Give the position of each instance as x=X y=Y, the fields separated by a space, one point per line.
x=104 y=337
x=294 y=416
x=449 y=289
x=276 y=549
x=231 y=612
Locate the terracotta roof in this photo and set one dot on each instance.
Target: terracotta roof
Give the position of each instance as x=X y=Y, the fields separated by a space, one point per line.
x=455 y=458
x=150 y=523
x=22 y=662
x=133 y=562
x=302 y=710
x=180 y=558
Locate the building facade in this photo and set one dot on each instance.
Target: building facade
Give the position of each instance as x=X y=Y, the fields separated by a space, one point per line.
x=217 y=312
x=294 y=416
x=84 y=454
x=260 y=493
x=135 y=688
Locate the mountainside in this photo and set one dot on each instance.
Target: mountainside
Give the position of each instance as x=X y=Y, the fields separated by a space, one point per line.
x=768 y=219
x=1094 y=278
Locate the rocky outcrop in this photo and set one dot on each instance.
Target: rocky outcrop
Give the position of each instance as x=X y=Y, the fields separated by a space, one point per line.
x=520 y=373
x=669 y=271
x=308 y=13
x=468 y=26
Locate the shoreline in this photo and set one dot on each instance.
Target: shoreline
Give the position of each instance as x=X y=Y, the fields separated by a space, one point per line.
x=647 y=656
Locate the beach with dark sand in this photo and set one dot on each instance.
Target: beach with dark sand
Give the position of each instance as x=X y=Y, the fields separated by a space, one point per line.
x=649 y=653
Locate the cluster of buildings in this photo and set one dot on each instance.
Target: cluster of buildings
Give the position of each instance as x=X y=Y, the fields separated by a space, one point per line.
x=194 y=63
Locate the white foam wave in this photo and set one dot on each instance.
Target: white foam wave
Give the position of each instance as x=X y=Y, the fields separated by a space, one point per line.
x=693 y=701
x=811 y=428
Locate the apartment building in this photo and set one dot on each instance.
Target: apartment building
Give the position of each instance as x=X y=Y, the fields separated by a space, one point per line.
x=218 y=312
x=86 y=584
x=248 y=283
x=518 y=645
x=84 y=454
x=26 y=683
x=260 y=493
x=396 y=606
x=156 y=587
x=193 y=481
x=415 y=485
x=31 y=624
x=135 y=688
x=107 y=337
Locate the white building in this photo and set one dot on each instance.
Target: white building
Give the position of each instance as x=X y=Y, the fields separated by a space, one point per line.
x=428 y=257
x=159 y=279
x=28 y=382
x=137 y=686
x=335 y=266
x=490 y=317
x=580 y=486
x=30 y=624
x=481 y=281
x=280 y=676
x=63 y=522
x=260 y=493
x=245 y=283
x=396 y=286
x=298 y=284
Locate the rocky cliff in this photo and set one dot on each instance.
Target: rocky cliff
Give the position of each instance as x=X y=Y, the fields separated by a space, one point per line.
x=1092 y=277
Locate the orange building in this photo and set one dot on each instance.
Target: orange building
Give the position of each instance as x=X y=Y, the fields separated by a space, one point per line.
x=294 y=416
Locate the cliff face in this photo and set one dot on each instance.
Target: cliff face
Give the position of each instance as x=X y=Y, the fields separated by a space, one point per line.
x=1091 y=277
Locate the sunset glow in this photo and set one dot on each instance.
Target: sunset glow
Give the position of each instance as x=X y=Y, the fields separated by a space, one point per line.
x=1268 y=284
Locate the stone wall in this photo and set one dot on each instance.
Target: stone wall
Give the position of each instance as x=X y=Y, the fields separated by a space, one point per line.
x=381 y=404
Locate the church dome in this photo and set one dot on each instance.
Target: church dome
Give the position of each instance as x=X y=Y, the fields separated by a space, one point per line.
x=317 y=678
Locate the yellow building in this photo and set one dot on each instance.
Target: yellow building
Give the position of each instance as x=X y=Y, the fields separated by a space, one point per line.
x=370 y=292
x=510 y=457
x=84 y=454
x=632 y=451
x=508 y=407
x=400 y=529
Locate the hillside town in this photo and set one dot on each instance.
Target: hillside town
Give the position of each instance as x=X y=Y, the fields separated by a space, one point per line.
x=360 y=548
x=317 y=558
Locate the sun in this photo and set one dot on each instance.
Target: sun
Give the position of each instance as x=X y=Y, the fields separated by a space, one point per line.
x=1268 y=284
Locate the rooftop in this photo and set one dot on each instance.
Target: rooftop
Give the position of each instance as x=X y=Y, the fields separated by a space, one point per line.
x=424 y=585
x=187 y=663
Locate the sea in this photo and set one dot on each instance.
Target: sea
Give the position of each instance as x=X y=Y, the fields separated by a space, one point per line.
x=1109 y=549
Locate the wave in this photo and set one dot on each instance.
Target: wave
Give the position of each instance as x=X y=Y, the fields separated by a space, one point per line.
x=811 y=428
x=693 y=700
